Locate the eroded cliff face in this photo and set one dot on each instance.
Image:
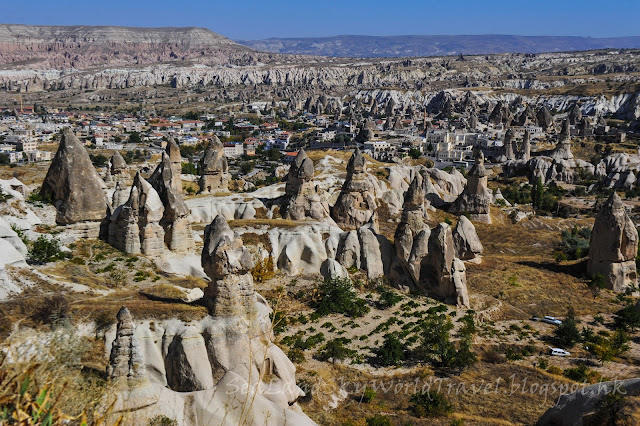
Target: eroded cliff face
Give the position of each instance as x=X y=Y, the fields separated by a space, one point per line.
x=65 y=58
x=80 y=47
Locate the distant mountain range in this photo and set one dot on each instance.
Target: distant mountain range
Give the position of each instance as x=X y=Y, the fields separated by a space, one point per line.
x=434 y=45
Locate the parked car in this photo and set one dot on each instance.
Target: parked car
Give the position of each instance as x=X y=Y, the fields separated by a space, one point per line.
x=551 y=320
x=559 y=352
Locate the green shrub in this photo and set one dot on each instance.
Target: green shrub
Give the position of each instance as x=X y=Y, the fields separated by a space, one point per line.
x=4 y=197
x=610 y=409
x=339 y=296
x=189 y=169
x=21 y=233
x=575 y=243
x=388 y=298
x=161 y=420
x=430 y=404
x=379 y=420
x=436 y=346
x=578 y=374
x=542 y=363
x=391 y=352
x=628 y=318
x=368 y=395
x=296 y=355
x=597 y=283
x=336 y=350
x=566 y=335
x=36 y=199
x=45 y=250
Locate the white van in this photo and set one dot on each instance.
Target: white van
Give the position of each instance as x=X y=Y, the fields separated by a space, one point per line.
x=559 y=352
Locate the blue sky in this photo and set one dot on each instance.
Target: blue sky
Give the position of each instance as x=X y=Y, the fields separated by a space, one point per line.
x=297 y=18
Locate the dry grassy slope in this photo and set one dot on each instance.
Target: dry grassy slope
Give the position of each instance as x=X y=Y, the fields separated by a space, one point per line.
x=518 y=267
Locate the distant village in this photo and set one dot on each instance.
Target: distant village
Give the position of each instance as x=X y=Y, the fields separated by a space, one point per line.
x=449 y=138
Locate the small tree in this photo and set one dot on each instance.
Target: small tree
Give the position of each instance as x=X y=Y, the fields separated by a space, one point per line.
x=567 y=334
x=45 y=250
x=189 y=169
x=628 y=318
x=537 y=194
x=335 y=350
x=430 y=404
x=392 y=350
x=339 y=296
x=246 y=167
x=98 y=160
x=610 y=409
x=415 y=153
x=134 y=137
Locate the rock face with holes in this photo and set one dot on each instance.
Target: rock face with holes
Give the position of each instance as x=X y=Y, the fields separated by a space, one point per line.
x=614 y=246
x=356 y=203
x=203 y=372
x=476 y=197
x=214 y=169
x=135 y=226
x=301 y=199
x=175 y=219
x=73 y=185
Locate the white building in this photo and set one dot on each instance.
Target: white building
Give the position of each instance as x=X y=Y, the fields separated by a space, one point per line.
x=27 y=145
x=282 y=141
x=233 y=150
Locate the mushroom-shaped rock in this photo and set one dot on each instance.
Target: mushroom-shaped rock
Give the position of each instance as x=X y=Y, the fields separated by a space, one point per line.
x=135 y=226
x=476 y=197
x=510 y=151
x=175 y=220
x=447 y=277
x=525 y=154
x=214 y=168
x=356 y=203
x=73 y=185
x=562 y=150
x=118 y=165
x=228 y=263
x=614 y=246
x=545 y=119
x=302 y=199
x=125 y=359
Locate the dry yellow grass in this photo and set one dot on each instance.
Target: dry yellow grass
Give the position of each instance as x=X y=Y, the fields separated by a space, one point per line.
x=519 y=268
x=32 y=174
x=317 y=155
x=485 y=394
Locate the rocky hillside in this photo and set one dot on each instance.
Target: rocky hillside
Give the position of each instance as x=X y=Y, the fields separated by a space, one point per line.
x=80 y=47
x=434 y=45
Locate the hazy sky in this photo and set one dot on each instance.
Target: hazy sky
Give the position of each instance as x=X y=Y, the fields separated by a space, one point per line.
x=299 y=18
